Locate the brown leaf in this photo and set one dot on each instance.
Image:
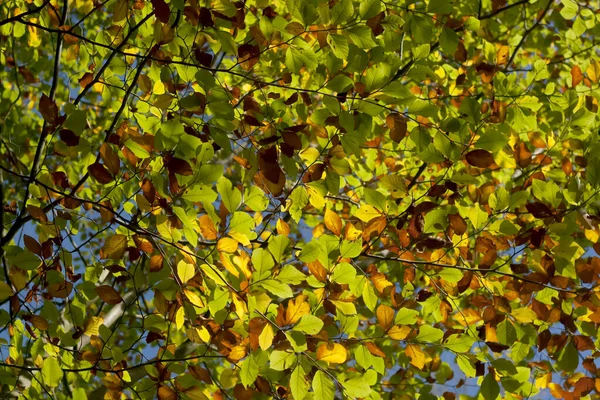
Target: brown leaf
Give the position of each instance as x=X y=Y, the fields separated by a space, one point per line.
x=86 y=79
x=480 y=158
x=32 y=245
x=458 y=224
x=108 y=295
x=539 y=210
x=205 y=59
x=114 y=247
x=110 y=158
x=148 y=190
x=69 y=137
x=178 y=166
x=37 y=213
x=292 y=139
x=397 y=125
x=100 y=173
x=161 y=10
x=59 y=290
x=497 y=347
x=295 y=28
x=48 y=109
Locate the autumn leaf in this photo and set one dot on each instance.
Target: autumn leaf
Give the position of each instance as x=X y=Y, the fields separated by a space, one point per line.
x=385 y=316
x=114 y=247
x=332 y=353
x=108 y=294
x=416 y=355
x=333 y=222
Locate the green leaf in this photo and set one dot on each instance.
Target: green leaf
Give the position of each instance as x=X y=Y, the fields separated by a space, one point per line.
x=280 y=360
x=323 y=387
x=249 y=371
x=298 y=383
x=490 y=389
x=343 y=273
x=309 y=324
x=460 y=343
x=429 y=334
x=52 y=373
x=356 y=387
x=230 y=196
x=568 y=358
x=277 y=288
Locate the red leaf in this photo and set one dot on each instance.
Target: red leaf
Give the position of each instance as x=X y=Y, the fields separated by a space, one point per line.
x=161 y=10
x=69 y=137
x=203 y=58
x=539 y=210
x=100 y=173
x=480 y=158
x=178 y=166
x=48 y=109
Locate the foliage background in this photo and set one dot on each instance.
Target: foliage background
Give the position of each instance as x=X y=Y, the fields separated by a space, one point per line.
x=299 y=199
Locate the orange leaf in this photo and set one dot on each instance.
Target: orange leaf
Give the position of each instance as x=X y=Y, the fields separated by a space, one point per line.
x=296 y=309
x=333 y=222
x=332 y=353
x=385 y=316
x=576 y=75
x=207 y=228
x=166 y=393
x=108 y=295
x=373 y=349
x=416 y=355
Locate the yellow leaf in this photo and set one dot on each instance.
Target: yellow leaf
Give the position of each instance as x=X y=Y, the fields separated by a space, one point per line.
x=185 y=271
x=227 y=245
x=502 y=55
x=265 y=339
x=282 y=227
x=179 y=318
x=114 y=247
x=193 y=298
x=207 y=228
x=366 y=213
x=543 y=381
x=380 y=282
x=332 y=353
x=524 y=315
x=385 y=316
x=240 y=237
x=92 y=325
x=416 y=354
x=237 y=353
x=241 y=309
x=351 y=232
x=333 y=222
x=397 y=332
x=593 y=71
x=296 y=309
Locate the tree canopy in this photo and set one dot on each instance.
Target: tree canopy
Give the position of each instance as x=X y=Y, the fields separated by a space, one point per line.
x=301 y=199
